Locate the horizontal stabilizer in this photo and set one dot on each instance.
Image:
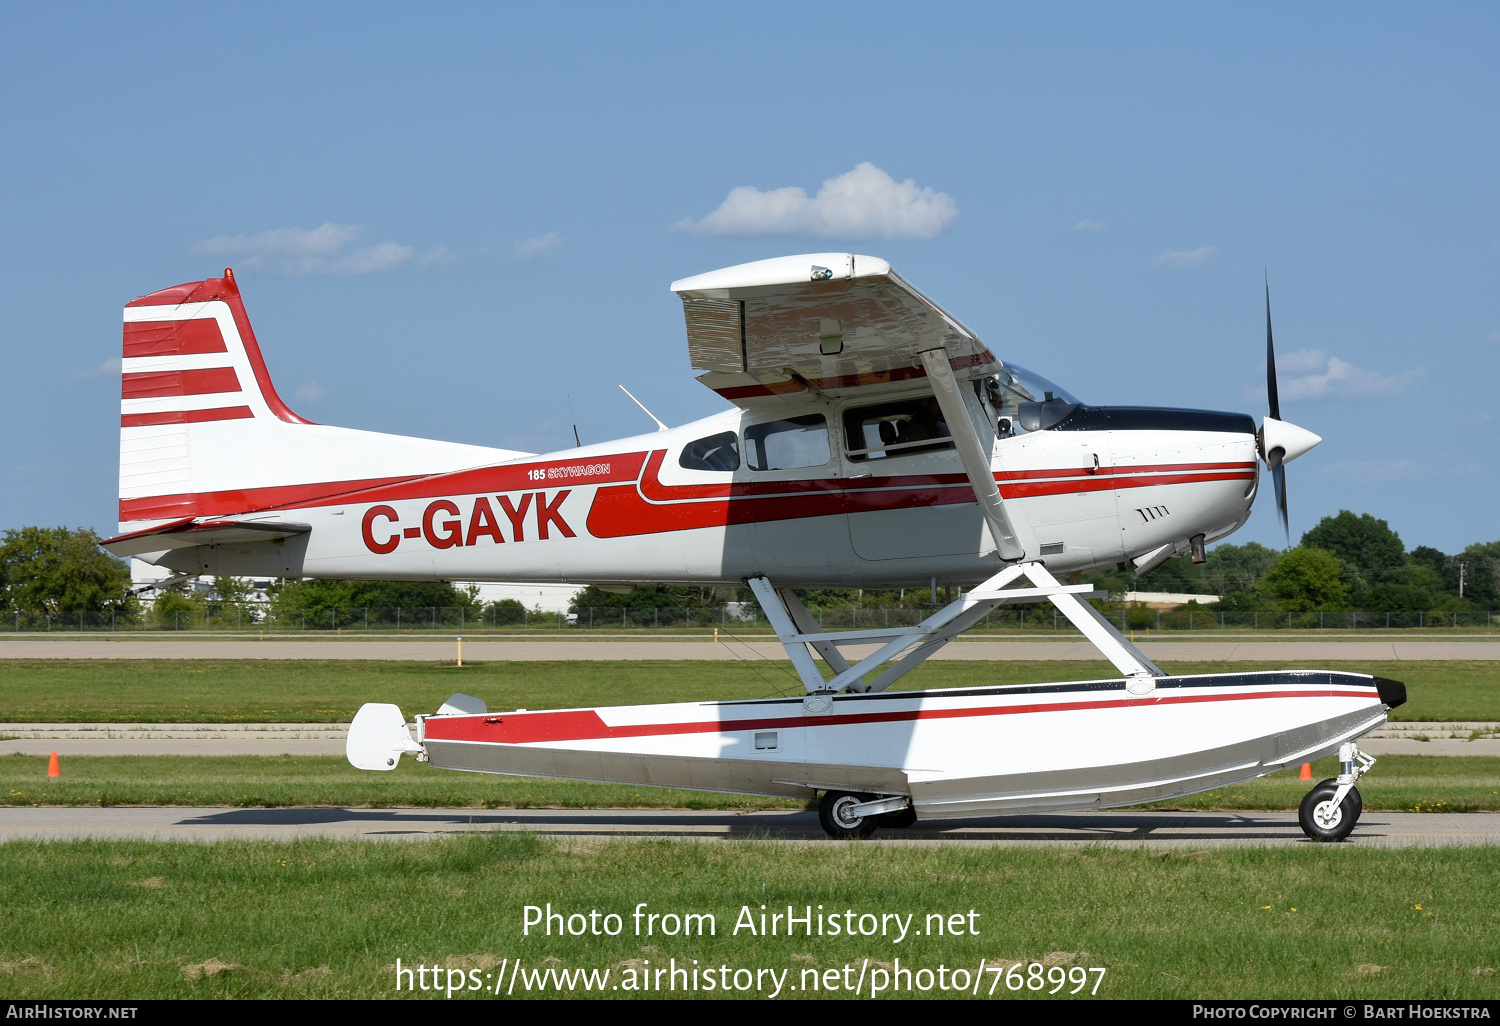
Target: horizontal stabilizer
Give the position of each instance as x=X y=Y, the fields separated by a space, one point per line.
x=189 y=533
x=377 y=737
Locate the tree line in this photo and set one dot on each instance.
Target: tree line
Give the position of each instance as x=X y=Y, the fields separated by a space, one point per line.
x=1348 y=561
x=58 y=570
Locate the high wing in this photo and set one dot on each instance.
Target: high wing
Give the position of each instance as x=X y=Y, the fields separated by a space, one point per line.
x=839 y=323
x=830 y=322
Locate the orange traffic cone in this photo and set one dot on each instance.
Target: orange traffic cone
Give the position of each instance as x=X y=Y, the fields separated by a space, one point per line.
x=53 y=770
x=1306 y=771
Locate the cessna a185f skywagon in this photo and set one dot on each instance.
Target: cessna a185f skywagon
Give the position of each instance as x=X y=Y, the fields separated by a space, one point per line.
x=872 y=441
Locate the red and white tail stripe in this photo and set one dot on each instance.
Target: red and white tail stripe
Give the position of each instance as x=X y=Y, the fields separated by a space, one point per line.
x=190 y=356
x=199 y=416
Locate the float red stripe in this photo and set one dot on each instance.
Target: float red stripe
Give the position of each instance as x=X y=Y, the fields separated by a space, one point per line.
x=154 y=384
x=586 y=724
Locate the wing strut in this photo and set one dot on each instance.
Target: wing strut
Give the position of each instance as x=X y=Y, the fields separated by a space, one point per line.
x=974 y=453
x=906 y=648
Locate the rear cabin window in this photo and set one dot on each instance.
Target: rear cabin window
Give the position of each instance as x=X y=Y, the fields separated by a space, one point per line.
x=716 y=452
x=895 y=429
x=788 y=444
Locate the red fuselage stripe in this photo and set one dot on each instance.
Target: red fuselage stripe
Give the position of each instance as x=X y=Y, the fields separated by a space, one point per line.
x=657 y=508
x=642 y=504
x=507 y=478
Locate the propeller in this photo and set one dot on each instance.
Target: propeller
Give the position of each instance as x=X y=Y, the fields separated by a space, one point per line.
x=1276 y=457
x=1279 y=441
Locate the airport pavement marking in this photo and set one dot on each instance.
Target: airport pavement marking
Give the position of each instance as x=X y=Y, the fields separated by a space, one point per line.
x=1130 y=829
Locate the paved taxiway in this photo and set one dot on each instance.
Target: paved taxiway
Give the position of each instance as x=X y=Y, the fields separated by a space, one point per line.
x=1165 y=829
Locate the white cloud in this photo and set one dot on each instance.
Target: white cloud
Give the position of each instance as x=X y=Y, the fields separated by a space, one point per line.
x=864 y=203
x=1370 y=470
x=1086 y=225
x=541 y=246
x=1177 y=259
x=310 y=393
x=1495 y=336
x=297 y=251
x=437 y=256
x=1314 y=374
x=108 y=369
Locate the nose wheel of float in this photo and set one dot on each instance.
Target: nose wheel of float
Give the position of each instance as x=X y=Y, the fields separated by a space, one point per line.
x=1332 y=808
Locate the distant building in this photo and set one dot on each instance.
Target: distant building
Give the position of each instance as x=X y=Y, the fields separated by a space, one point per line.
x=1168 y=599
x=144 y=575
x=550 y=598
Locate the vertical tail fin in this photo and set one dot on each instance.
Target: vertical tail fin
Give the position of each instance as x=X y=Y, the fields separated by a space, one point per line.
x=203 y=432
x=191 y=356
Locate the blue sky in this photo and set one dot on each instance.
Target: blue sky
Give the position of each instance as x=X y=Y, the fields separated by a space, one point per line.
x=1096 y=190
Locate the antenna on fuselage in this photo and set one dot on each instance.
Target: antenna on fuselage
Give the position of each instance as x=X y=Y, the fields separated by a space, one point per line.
x=574 y=418
x=659 y=425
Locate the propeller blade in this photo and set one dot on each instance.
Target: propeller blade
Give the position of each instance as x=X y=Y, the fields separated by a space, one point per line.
x=1278 y=477
x=1271 y=359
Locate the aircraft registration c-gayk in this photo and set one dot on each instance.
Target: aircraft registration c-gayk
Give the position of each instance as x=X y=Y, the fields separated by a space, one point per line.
x=872 y=441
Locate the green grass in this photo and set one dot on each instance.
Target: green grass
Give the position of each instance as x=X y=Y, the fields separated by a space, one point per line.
x=289 y=780
x=329 y=919
x=230 y=690
x=1398 y=783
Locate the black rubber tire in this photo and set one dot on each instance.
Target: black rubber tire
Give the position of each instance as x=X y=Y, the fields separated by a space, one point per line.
x=900 y=819
x=841 y=828
x=1354 y=795
x=1348 y=813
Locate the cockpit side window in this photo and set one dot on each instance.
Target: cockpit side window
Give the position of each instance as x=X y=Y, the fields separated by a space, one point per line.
x=1018 y=401
x=716 y=452
x=787 y=444
x=899 y=428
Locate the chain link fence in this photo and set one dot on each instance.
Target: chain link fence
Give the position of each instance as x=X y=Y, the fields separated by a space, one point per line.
x=733 y=617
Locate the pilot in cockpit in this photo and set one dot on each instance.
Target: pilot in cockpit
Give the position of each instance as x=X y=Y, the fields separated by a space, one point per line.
x=926 y=423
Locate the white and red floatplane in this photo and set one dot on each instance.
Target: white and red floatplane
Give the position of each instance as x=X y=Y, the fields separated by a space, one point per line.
x=873 y=441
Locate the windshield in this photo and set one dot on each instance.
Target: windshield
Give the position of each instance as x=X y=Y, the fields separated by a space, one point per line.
x=1020 y=401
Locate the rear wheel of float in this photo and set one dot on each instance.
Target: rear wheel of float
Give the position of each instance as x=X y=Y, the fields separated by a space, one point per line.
x=837 y=819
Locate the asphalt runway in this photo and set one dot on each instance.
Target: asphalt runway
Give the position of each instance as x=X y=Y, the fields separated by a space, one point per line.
x=1130 y=829
x=1195 y=648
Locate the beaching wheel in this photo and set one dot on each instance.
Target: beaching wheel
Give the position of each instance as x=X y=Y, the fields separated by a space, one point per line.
x=1321 y=820
x=834 y=812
